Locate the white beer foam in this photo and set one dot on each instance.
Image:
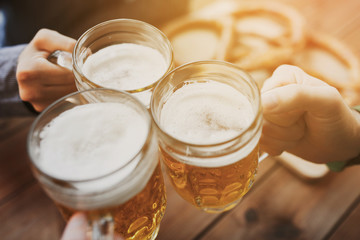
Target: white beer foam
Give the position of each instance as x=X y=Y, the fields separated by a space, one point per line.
x=92 y=140
x=206 y=113
x=125 y=66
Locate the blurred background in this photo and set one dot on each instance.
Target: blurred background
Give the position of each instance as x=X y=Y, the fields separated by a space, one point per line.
x=288 y=201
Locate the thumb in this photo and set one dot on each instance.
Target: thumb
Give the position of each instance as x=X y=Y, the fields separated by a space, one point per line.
x=76 y=228
x=284 y=105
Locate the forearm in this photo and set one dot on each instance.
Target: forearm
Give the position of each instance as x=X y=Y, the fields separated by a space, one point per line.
x=10 y=103
x=356 y=113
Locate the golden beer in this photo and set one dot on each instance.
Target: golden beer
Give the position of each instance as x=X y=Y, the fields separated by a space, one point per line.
x=209 y=119
x=212 y=188
x=96 y=151
x=139 y=217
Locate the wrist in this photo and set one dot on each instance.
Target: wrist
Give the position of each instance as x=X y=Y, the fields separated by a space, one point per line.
x=338 y=166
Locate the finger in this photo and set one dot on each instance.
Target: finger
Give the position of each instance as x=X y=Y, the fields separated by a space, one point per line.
x=76 y=228
x=274 y=146
x=294 y=132
x=60 y=90
x=284 y=119
x=52 y=93
x=288 y=74
x=34 y=66
x=52 y=75
x=283 y=75
x=301 y=98
x=41 y=71
x=49 y=41
x=44 y=96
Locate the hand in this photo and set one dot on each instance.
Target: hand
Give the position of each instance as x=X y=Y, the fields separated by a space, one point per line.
x=77 y=228
x=40 y=81
x=307 y=117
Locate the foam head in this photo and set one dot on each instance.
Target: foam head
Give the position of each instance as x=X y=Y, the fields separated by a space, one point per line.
x=90 y=141
x=206 y=113
x=125 y=66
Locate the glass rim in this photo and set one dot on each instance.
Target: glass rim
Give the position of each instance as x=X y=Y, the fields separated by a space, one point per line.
x=83 y=37
x=250 y=81
x=63 y=99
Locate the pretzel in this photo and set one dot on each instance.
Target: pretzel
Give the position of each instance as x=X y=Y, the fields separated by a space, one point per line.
x=258 y=36
x=239 y=41
x=197 y=38
x=266 y=35
x=271 y=13
x=330 y=60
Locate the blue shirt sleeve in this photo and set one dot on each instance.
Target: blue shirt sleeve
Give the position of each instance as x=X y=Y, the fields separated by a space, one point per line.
x=10 y=103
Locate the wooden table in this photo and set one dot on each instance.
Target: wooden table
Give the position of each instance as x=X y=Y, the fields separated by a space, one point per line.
x=279 y=206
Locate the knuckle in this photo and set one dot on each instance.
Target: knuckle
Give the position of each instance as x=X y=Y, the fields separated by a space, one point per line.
x=41 y=37
x=286 y=68
x=26 y=95
x=335 y=97
x=23 y=76
x=334 y=92
x=28 y=89
x=39 y=108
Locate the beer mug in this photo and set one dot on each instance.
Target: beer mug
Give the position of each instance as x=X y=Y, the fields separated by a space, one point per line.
x=122 y=54
x=209 y=121
x=96 y=151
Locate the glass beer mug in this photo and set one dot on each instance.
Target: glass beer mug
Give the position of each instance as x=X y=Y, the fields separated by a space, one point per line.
x=96 y=151
x=122 y=54
x=209 y=118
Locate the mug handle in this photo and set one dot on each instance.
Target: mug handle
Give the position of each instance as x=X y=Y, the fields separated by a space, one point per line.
x=263 y=155
x=61 y=58
x=103 y=228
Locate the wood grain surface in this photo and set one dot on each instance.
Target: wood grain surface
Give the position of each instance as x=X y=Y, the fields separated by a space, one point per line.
x=279 y=206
